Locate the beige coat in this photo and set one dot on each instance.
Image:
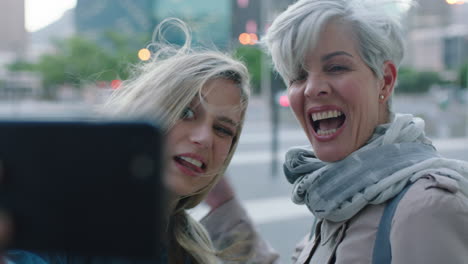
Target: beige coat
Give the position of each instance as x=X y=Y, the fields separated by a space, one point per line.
x=430 y=226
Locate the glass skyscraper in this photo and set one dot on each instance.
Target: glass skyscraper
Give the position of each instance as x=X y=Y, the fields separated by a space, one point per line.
x=209 y=20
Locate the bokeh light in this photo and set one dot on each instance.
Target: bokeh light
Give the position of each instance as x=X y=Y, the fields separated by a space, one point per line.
x=242 y=3
x=253 y=39
x=144 y=54
x=284 y=101
x=456 y=2
x=244 y=39
x=251 y=26
x=115 y=84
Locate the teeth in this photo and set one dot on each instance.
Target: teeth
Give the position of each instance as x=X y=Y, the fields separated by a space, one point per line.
x=326 y=132
x=326 y=114
x=193 y=161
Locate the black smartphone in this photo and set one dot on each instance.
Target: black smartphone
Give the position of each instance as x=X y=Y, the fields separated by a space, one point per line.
x=88 y=188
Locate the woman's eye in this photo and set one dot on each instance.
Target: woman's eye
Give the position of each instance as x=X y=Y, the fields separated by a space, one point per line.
x=188 y=113
x=336 y=68
x=223 y=131
x=300 y=77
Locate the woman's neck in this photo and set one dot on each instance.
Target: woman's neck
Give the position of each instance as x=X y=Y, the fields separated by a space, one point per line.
x=172 y=201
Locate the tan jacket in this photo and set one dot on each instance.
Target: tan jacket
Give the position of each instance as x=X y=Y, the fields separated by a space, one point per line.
x=230 y=225
x=430 y=226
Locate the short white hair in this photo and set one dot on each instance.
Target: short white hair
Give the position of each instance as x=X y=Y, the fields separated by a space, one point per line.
x=375 y=23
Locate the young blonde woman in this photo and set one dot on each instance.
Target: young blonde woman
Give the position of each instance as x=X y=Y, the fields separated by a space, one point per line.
x=200 y=98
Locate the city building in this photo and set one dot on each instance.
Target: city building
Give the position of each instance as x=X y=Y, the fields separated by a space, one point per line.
x=14 y=46
x=210 y=20
x=214 y=23
x=134 y=19
x=40 y=40
x=12 y=30
x=437 y=38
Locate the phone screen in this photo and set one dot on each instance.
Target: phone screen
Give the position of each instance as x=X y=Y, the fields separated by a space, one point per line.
x=88 y=188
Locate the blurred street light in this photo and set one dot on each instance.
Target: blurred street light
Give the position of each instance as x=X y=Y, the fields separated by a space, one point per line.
x=253 y=38
x=144 y=54
x=248 y=39
x=283 y=99
x=243 y=3
x=244 y=38
x=251 y=26
x=456 y=2
x=115 y=84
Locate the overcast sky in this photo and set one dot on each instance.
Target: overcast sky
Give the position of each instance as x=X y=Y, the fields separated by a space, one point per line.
x=40 y=13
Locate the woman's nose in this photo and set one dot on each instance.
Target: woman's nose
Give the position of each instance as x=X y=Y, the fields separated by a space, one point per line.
x=316 y=86
x=202 y=135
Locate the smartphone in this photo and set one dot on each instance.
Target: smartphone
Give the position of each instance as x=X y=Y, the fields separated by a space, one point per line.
x=89 y=188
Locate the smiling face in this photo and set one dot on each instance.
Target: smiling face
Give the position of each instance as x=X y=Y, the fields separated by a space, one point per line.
x=201 y=140
x=336 y=97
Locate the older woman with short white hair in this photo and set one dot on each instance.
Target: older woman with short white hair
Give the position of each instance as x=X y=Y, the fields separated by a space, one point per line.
x=377 y=187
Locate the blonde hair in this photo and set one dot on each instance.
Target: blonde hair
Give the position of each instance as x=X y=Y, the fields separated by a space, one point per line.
x=160 y=91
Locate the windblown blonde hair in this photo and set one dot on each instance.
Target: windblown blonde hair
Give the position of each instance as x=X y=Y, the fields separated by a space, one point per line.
x=160 y=91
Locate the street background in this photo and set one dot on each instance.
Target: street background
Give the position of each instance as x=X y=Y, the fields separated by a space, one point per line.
x=59 y=58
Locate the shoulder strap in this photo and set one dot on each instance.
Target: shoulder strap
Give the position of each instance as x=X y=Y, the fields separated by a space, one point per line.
x=382 y=249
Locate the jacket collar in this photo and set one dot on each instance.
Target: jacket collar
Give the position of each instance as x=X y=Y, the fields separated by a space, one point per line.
x=329 y=229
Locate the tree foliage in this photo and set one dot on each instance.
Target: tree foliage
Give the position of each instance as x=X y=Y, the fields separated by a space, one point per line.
x=252 y=57
x=463 y=76
x=77 y=61
x=412 y=81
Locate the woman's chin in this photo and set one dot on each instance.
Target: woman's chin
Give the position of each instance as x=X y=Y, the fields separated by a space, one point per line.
x=330 y=155
x=328 y=158
x=178 y=188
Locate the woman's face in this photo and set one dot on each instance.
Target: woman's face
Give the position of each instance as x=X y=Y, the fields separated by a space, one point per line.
x=201 y=140
x=336 y=98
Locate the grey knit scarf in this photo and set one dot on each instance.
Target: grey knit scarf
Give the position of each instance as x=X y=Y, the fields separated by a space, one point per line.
x=397 y=153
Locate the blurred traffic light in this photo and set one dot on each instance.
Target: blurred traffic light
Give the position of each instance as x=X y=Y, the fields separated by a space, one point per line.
x=283 y=100
x=248 y=38
x=115 y=84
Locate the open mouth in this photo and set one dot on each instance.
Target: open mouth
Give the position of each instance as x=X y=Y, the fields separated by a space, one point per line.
x=190 y=163
x=327 y=122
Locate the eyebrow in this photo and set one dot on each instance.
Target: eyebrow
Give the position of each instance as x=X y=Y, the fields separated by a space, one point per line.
x=336 y=53
x=228 y=120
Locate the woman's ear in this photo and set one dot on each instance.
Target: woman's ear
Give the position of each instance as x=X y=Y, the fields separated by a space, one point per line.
x=389 y=80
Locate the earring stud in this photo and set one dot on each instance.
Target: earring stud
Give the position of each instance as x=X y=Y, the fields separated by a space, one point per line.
x=381 y=97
